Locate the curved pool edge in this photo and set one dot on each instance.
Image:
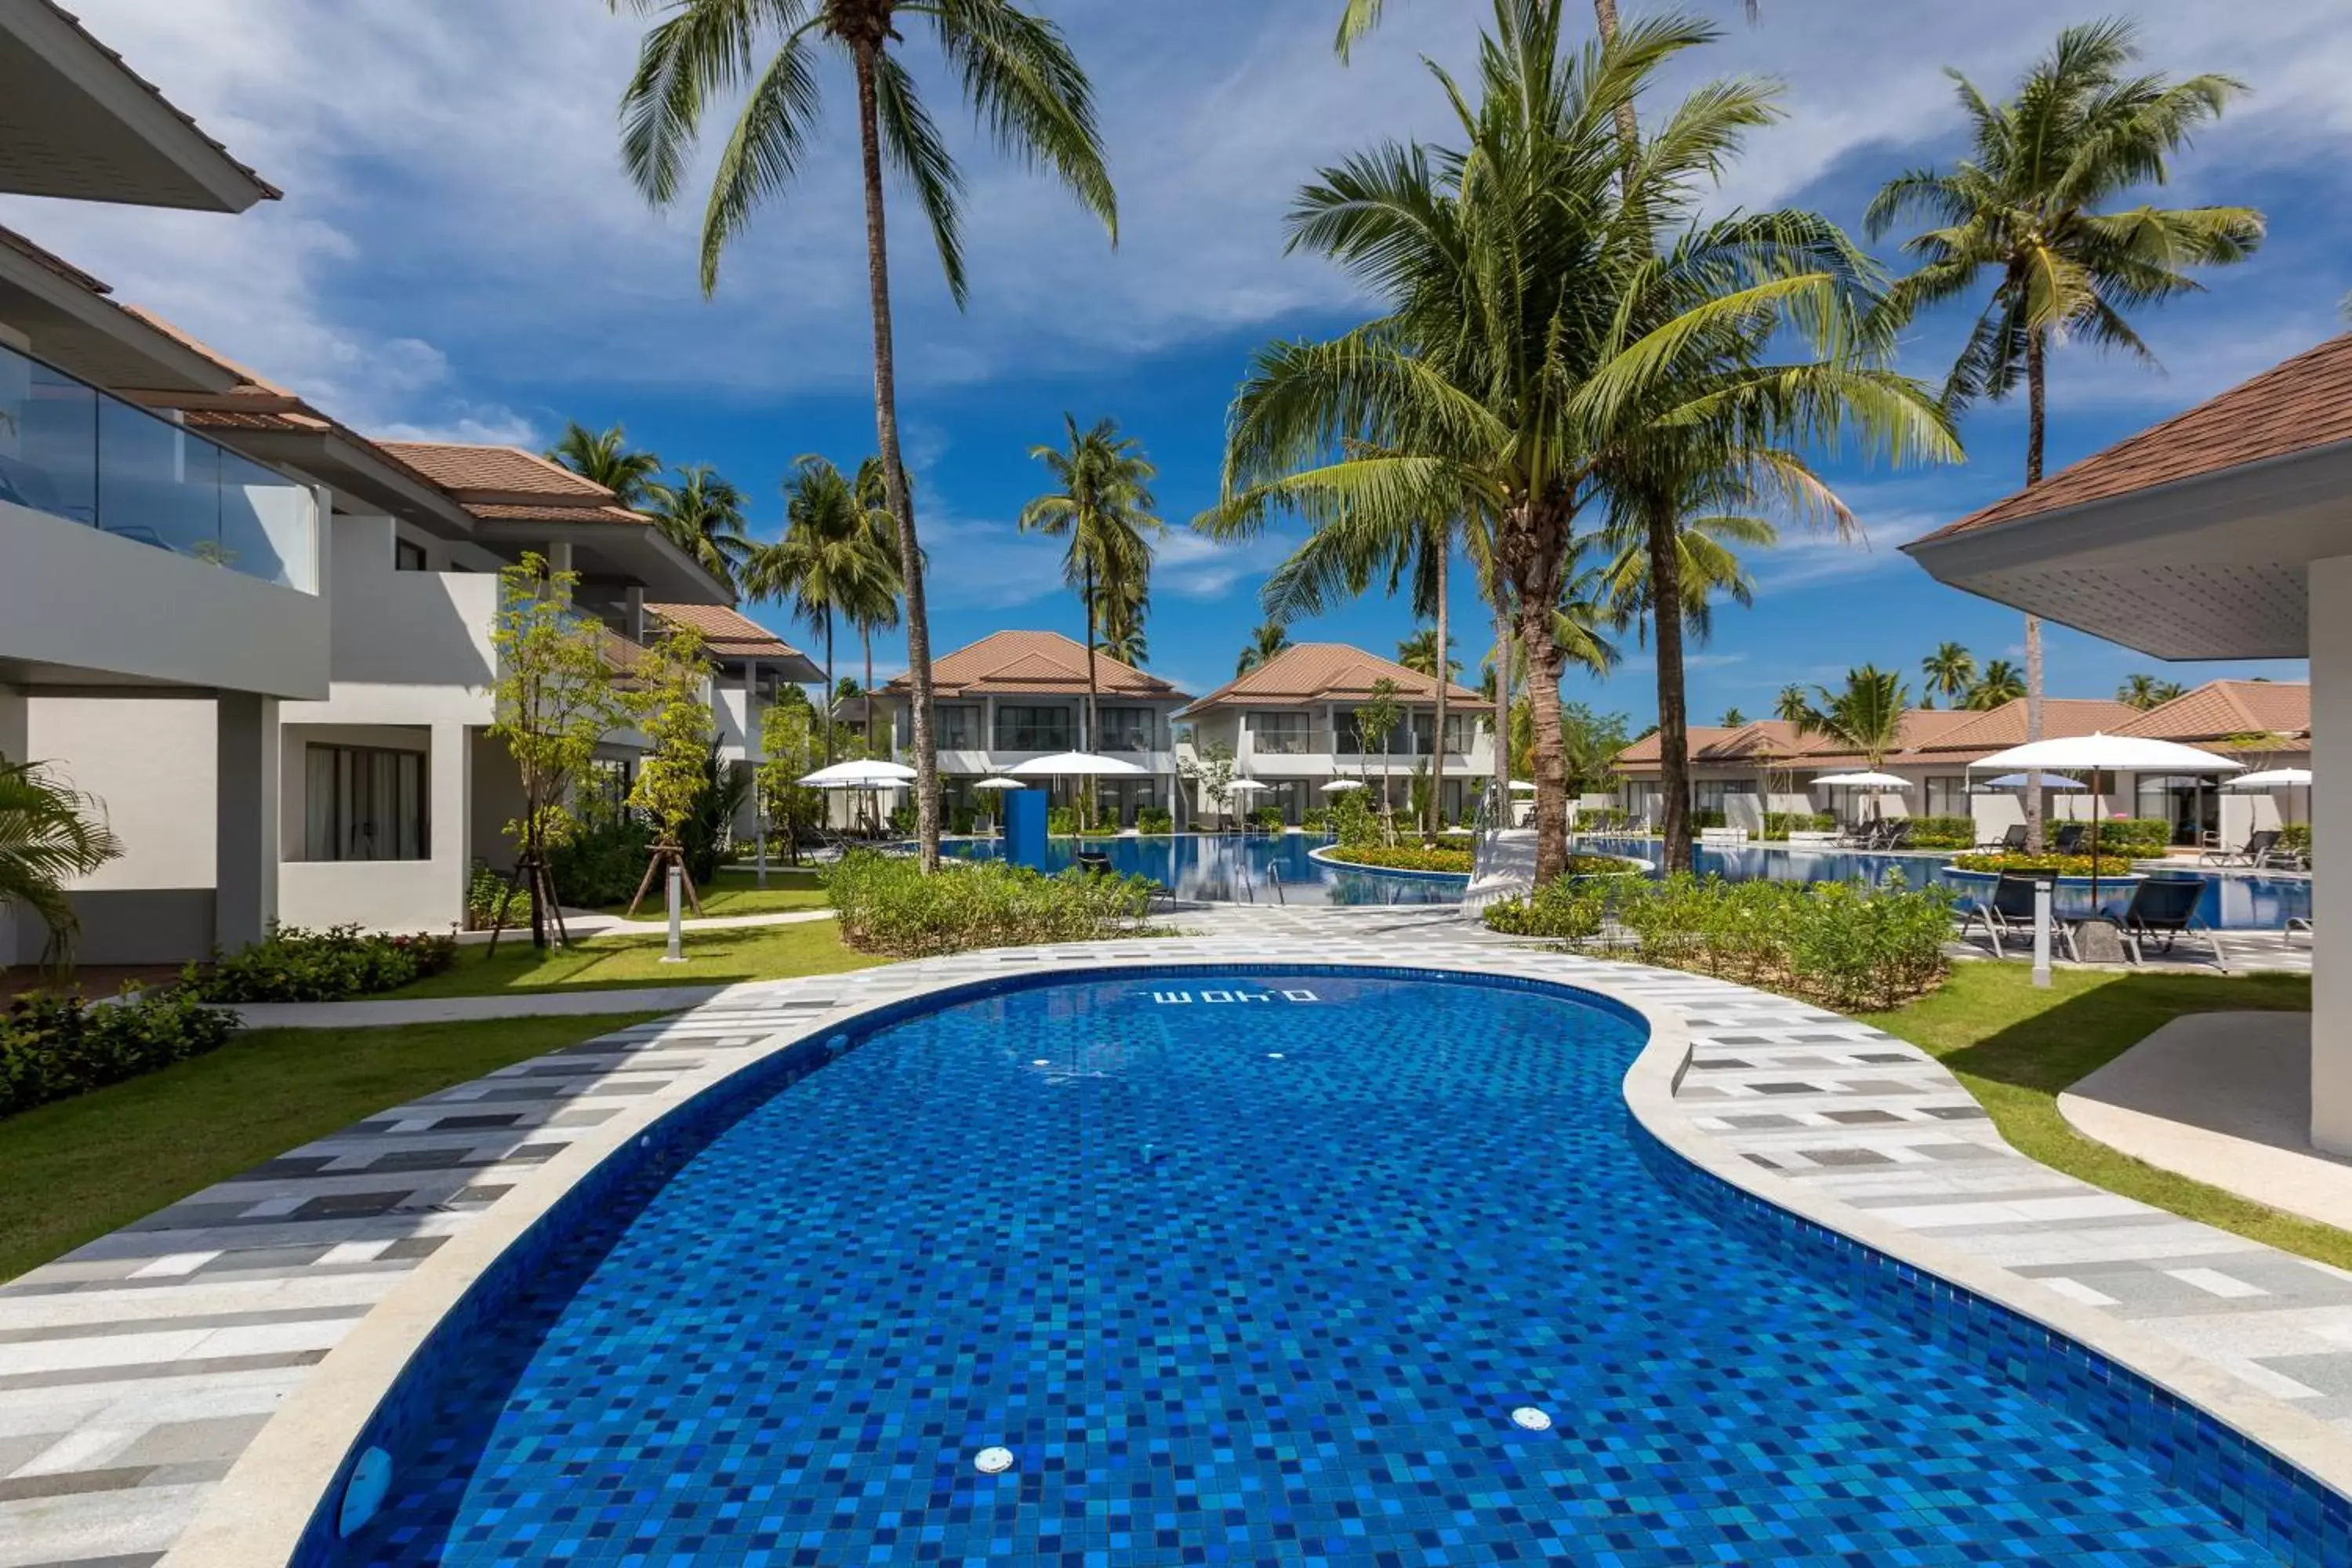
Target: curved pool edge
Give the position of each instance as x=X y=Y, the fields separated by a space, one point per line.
x=268 y=1501
x=1323 y=855
x=2290 y=1437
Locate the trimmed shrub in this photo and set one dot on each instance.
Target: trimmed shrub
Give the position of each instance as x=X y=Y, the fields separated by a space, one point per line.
x=1404 y=858
x=1708 y=816
x=1154 y=819
x=1315 y=819
x=1841 y=945
x=2056 y=865
x=485 y=888
x=2144 y=837
x=1352 y=821
x=601 y=865
x=296 y=965
x=1268 y=818
x=887 y=906
x=1061 y=821
x=55 y=1047
x=2296 y=837
x=1780 y=824
x=1943 y=832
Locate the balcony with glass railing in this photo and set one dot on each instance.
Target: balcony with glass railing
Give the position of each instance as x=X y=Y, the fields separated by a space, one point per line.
x=85 y=456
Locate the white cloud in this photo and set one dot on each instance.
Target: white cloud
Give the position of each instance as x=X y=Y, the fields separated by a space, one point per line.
x=490 y=425
x=446 y=206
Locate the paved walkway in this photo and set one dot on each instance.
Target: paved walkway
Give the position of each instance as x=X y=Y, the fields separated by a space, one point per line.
x=2223 y=1098
x=134 y=1370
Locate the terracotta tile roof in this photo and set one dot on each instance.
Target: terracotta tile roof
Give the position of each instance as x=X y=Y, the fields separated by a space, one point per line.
x=2221 y=709
x=53 y=263
x=1040 y=664
x=506 y=475
x=248 y=379
x=2292 y=407
x=726 y=633
x=1323 y=672
x=1931 y=736
x=500 y=511
x=249 y=419
x=267 y=190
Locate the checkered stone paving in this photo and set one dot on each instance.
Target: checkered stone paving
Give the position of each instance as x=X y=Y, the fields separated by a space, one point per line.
x=133 y=1371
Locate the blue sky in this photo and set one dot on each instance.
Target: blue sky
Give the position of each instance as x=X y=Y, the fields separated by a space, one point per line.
x=458 y=255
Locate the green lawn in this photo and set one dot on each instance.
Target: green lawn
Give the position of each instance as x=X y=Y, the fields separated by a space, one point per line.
x=611 y=963
x=2015 y=1048
x=736 y=891
x=77 y=1169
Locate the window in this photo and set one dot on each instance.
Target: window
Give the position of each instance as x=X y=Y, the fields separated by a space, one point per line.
x=1032 y=729
x=1706 y=795
x=364 y=802
x=1947 y=796
x=1279 y=734
x=1127 y=730
x=959 y=727
x=407 y=555
x=1460 y=733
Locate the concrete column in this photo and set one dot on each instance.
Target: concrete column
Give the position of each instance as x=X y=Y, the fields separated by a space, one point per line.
x=245 y=813
x=2331 y=890
x=633 y=612
x=558 y=557
x=449 y=819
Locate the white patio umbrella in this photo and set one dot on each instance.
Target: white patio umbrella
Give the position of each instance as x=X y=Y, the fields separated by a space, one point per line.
x=1865 y=780
x=999 y=782
x=2272 y=778
x=1341 y=786
x=1076 y=765
x=1245 y=786
x=2099 y=753
x=2024 y=780
x=1522 y=787
x=864 y=773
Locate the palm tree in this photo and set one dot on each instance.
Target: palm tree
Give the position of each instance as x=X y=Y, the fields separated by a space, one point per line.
x=2000 y=683
x=878 y=610
x=826 y=565
x=607 y=459
x=1103 y=507
x=2144 y=691
x=2029 y=205
x=702 y=514
x=49 y=835
x=1950 y=671
x=1418 y=653
x=1021 y=81
x=1707 y=568
x=1732 y=718
x=1865 y=717
x=1562 y=334
x=1270 y=639
x=1791 y=706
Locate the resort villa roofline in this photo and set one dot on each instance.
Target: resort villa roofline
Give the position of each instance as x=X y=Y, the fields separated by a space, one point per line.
x=210 y=573
x=2222 y=532
x=1292 y=724
x=1016 y=696
x=1766 y=766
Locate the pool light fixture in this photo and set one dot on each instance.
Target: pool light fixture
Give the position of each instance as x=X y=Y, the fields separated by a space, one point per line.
x=992 y=1461
x=1527 y=1418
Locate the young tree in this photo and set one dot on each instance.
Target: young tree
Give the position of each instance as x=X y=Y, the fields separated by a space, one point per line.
x=1211 y=774
x=2033 y=206
x=672 y=703
x=1016 y=72
x=792 y=746
x=50 y=834
x=1376 y=721
x=553 y=703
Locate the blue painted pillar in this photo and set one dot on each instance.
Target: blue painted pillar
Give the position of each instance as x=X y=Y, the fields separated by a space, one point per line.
x=1025 y=827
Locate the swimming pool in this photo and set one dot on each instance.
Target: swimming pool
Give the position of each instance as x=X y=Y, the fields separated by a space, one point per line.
x=1236 y=1267
x=1259 y=868
x=2242 y=901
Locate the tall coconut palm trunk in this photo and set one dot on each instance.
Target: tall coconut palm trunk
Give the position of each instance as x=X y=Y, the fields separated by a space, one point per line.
x=894 y=473
x=824 y=709
x=1094 y=706
x=1673 y=715
x=1437 y=739
x=2036 y=369
x=1502 y=710
x=866 y=636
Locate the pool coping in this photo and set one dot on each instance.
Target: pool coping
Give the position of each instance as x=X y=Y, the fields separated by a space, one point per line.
x=266 y=1504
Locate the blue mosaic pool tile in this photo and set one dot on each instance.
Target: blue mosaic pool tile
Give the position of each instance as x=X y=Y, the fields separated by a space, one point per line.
x=1248 y=1281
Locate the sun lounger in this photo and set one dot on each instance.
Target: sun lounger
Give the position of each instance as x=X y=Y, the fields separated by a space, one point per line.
x=2166 y=907
x=2261 y=849
x=2009 y=913
x=2010 y=843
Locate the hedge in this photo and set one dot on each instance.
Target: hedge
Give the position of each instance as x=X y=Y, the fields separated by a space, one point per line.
x=292 y=964
x=1402 y=857
x=53 y=1048
x=888 y=905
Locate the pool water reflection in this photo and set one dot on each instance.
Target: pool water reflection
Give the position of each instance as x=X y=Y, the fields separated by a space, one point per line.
x=1240 y=869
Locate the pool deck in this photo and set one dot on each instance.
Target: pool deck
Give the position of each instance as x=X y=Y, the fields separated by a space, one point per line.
x=135 y=1370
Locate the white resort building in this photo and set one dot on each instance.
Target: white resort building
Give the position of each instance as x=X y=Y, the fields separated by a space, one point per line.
x=1014 y=696
x=261 y=639
x=1766 y=765
x=1292 y=725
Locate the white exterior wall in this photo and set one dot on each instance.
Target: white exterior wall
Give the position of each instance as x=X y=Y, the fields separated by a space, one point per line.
x=74 y=596
x=2331 y=896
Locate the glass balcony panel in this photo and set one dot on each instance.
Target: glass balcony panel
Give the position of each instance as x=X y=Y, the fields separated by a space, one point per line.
x=48 y=441
x=157 y=484
x=75 y=452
